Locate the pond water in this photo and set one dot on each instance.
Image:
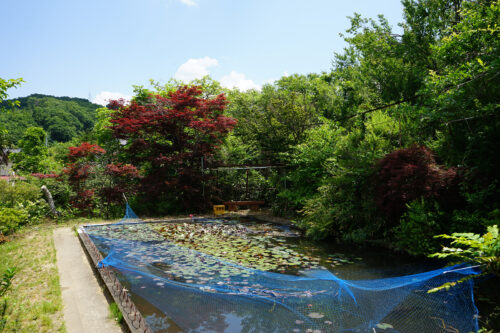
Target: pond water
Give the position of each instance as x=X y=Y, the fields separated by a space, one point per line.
x=248 y=276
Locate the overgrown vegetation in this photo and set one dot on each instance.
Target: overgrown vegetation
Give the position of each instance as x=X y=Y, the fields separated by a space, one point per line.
x=21 y=203
x=5 y=283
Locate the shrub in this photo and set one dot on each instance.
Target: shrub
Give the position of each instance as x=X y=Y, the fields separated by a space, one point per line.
x=425 y=217
x=11 y=219
x=421 y=220
x=36 y=210
x=13 y=194
x=60 y=190
x=407 y=174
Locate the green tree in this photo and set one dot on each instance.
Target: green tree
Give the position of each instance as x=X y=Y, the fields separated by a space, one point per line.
x=276 y=119
x=343 y=206
x=308 y=165
x=33 y=151
x=8 y=84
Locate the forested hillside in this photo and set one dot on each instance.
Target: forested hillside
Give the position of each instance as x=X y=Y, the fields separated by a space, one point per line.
x=63 y=118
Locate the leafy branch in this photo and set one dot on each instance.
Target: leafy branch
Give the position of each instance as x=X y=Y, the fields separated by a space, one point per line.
x=472 y=248
x=6 y=281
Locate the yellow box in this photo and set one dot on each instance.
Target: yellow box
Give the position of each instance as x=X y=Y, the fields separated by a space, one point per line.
x=219 y=209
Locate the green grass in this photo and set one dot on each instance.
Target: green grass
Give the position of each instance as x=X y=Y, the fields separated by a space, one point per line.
x=34 y=298
x=115 y=313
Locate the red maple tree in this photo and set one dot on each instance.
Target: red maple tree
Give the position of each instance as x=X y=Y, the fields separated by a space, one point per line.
x=118 y=179
x=170 y=138
x=82 y=160
x=411 y=173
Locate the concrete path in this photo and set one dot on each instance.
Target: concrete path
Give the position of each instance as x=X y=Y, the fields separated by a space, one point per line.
x=86 y=309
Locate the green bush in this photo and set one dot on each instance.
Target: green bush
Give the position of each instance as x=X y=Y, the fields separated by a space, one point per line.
x=60 y=190
x=36 y=210
x=422 y=220
x=11 y=219
x=12 y=194
x=20 y=202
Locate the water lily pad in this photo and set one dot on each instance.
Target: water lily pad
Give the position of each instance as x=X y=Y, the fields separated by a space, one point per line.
x=315 y=315
x=384 y=326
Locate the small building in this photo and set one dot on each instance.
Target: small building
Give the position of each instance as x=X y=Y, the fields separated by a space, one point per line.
x=6 y=172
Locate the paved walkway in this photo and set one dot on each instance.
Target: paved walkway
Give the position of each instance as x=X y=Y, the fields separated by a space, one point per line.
x=86 y=309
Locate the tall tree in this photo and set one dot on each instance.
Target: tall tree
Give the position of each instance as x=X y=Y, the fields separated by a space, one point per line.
x=33 y=151
x=277 y=118
x=171 y=139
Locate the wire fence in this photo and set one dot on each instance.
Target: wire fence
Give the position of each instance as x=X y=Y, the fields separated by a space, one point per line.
x=133 y=318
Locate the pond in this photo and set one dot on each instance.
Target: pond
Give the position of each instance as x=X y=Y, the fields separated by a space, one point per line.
x=248 y=276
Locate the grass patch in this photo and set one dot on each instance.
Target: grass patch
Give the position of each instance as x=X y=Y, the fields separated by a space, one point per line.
x=34 y=302
x=115 y=313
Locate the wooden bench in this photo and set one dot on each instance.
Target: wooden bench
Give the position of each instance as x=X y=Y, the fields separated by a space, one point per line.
x=234 y=205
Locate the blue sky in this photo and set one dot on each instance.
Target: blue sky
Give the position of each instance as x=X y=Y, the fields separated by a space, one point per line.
x=103 y=47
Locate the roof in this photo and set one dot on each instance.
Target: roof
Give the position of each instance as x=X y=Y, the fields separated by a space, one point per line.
x=15 y=177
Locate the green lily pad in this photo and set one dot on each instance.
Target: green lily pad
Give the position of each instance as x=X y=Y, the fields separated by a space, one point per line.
x=384 y=326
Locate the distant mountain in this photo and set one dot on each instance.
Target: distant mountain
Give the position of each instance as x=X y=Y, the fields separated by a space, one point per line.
x=62 y=117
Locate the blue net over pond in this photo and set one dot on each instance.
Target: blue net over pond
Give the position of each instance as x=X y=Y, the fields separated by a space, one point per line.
x=204 y=293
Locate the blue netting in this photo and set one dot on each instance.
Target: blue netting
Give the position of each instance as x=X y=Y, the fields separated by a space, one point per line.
x=202 y=293
x=129 y=217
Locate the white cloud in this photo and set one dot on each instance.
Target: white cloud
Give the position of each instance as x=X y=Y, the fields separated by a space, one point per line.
x=195 y=68
x=238 y=80
x=189 y=2
x=104 y=97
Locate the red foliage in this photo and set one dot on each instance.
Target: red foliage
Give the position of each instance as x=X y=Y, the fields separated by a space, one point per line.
x=171 y=135
x=84 y=200
x=407 y=174
x=116 y=104
x=122 y=179
x=44 y=175
x=122 y=170
x=82 y=161
x=86 y=149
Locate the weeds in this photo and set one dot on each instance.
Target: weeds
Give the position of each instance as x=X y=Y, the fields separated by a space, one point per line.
x=3 y=315
x=115 y=313
x=6 y=281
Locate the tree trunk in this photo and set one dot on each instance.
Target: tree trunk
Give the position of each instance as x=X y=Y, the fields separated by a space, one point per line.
x=46 y=191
